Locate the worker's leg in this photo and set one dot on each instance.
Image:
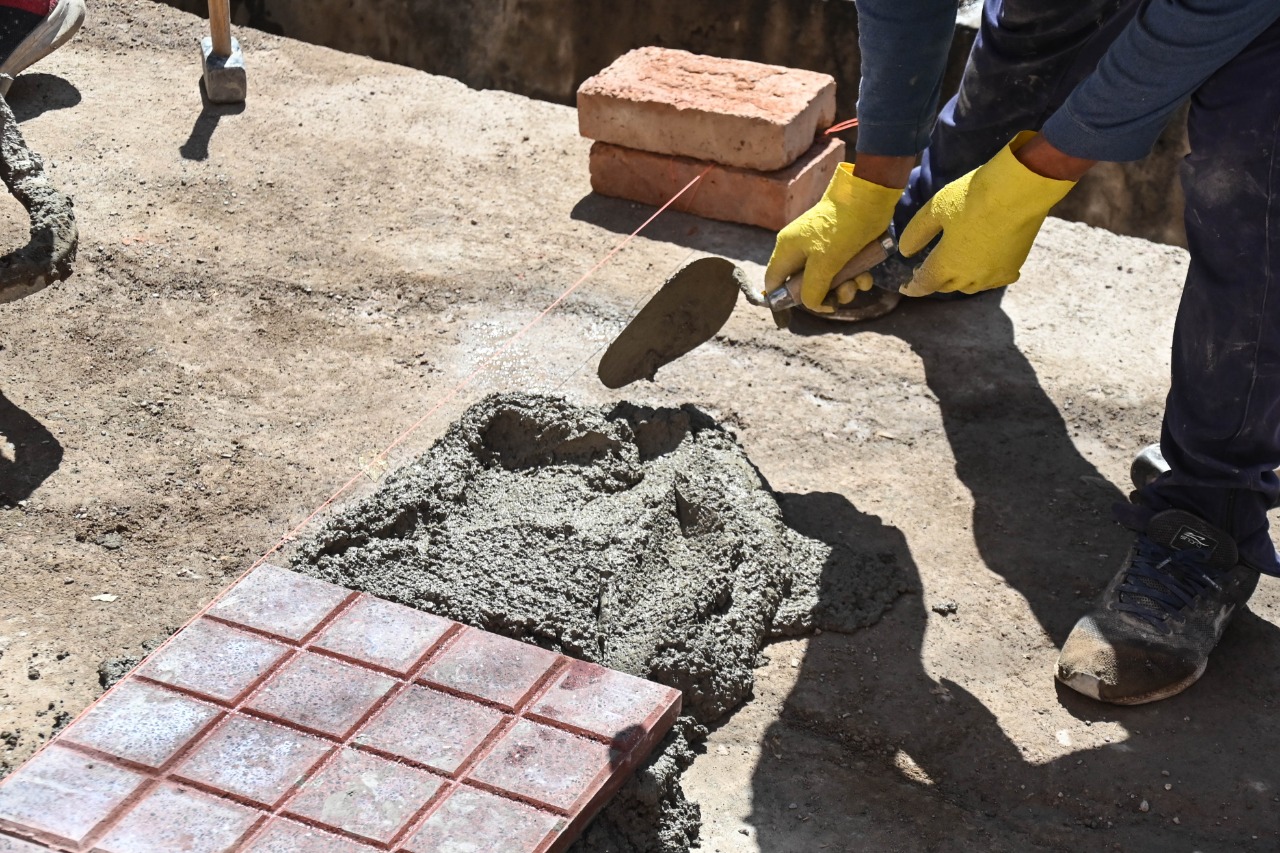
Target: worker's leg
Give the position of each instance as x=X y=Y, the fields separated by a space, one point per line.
x=1028 y=56
x=1221 y=433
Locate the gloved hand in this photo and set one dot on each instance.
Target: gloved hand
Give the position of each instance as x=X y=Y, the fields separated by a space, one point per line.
x=851 y=213
x=989 y=218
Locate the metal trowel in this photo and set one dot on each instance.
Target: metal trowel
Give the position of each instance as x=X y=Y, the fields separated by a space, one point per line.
x=695 y=303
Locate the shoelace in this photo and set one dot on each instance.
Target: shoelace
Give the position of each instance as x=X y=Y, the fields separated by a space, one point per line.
x=1162 y=581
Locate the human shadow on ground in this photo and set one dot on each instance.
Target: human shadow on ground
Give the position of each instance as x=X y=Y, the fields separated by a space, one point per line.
x=29 y=453
x=33 y=94
x=197 y=145
x=921 y=763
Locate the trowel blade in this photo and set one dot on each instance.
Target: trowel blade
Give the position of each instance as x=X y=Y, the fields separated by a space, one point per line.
x=690 y=308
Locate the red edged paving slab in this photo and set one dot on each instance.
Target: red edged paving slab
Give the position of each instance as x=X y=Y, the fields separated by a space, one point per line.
x=254 y=759
x=279 y=602
x=213 y=660
x=604 y=702
x=548 y=766
x=381 y=729
x=285 y=836
x=727 y=111
x=431 y=728
x=470 y=821
x=172 y=818
x=321 y=694
x=389 y=636
x=64 y=795
x=764 y=199
x=365 y=795
x=142 y=723
x=491 y=667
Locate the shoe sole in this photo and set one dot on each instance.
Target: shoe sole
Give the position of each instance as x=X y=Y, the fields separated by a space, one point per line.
x=1087 y=685
x=52 y=33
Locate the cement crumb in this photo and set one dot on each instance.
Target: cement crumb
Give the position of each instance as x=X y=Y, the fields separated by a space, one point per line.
x=641 y=539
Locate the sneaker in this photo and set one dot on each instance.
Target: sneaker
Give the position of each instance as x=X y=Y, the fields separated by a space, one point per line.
x=31 y=30
x=1150 y=634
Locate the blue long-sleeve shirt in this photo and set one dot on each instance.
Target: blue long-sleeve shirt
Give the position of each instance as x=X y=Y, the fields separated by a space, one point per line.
x=1116 y=113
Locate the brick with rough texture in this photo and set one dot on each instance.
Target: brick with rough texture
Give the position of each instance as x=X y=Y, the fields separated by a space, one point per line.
x=491 y=667
x=470 y=821
x=547 y=765
x=254 y=759
x=64 y=794
x=142 y=723
x=213 y=660
x=321 y=694
x=286 y=836
x=384 y=634
x=727 y=111
x=765 y=199
x=431 y=728
x=173 y=819
x=9 y=844
x=279 y=602
x=605 y=702
x=365 y=795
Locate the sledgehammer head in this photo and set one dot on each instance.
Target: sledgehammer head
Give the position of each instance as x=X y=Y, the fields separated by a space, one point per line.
x=225 y=81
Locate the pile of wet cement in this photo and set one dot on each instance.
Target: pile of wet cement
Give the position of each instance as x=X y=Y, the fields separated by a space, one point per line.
x=641 y=539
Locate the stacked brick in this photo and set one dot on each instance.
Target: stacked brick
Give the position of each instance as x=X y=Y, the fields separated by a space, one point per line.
x=659 y=117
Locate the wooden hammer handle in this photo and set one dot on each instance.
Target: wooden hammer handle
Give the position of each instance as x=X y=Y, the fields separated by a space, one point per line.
x=220 y=26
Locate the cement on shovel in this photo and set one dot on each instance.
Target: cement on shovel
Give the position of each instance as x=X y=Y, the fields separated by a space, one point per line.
x=690 y=308
x=640 y=539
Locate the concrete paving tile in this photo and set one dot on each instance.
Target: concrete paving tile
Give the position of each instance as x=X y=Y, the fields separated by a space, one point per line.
x=173 y=819
x=470 y=821
x=213 y=660
x=285 y=836
x=64 y=793
x=548 y=766
x=321 y=694
x=8 y=844
x=279 y=602
x=606 y=702
x=365 y=795
x=141 y=722
x=384 y=634
x=254 y=759
x=432 y=728
x=491 y=667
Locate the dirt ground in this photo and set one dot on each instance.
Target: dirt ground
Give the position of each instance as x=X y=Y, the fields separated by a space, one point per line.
x=267 y=296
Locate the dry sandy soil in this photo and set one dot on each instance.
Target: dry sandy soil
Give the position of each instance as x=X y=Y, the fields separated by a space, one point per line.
x=267 y=296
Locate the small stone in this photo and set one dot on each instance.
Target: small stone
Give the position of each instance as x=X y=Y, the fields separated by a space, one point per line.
x=106 y=596
x=111 y=541
x=794 y=806
x=1168 y=787
x=945 y=608
x=1175 y=820
x=1144 y=806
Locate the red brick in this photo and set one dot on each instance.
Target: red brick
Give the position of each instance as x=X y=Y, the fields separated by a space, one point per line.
x=766 y=199
x=384 y=634
x=321 y=694
x=491 y=667
x=547 y=766
x=142 y=723
x=9 y=844
x=607 y=703
x=213 y=660
x=63 y=794
x=365 y=795
x=285 y=836
x=173 y=819
x=257 y=760
x=727 y=111
x=279 y=602
x=470 y=821
x=431 y=728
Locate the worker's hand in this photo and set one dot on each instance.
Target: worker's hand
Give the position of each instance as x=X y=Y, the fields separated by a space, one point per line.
x=851 y=213
x=988 y=219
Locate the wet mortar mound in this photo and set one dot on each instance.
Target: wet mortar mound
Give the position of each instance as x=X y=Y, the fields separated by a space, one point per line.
x=640 y=539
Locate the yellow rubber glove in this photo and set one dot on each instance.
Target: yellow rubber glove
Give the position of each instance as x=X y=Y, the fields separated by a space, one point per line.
x=988 y=219
x=851 y=213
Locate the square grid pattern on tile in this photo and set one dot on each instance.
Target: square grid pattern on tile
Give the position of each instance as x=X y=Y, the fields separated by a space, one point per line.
x=294 y=715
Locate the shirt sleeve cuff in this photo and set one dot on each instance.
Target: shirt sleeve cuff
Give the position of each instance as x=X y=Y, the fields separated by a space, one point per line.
x=893 y=140
x=1072 y=136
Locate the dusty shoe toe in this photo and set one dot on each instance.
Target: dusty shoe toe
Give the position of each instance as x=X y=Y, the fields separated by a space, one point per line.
x=1115 y=663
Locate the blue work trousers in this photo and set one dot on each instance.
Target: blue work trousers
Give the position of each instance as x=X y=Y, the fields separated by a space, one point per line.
x=1221 y=432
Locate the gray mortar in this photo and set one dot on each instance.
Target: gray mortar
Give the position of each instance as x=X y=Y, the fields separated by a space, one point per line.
x=641 y=539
